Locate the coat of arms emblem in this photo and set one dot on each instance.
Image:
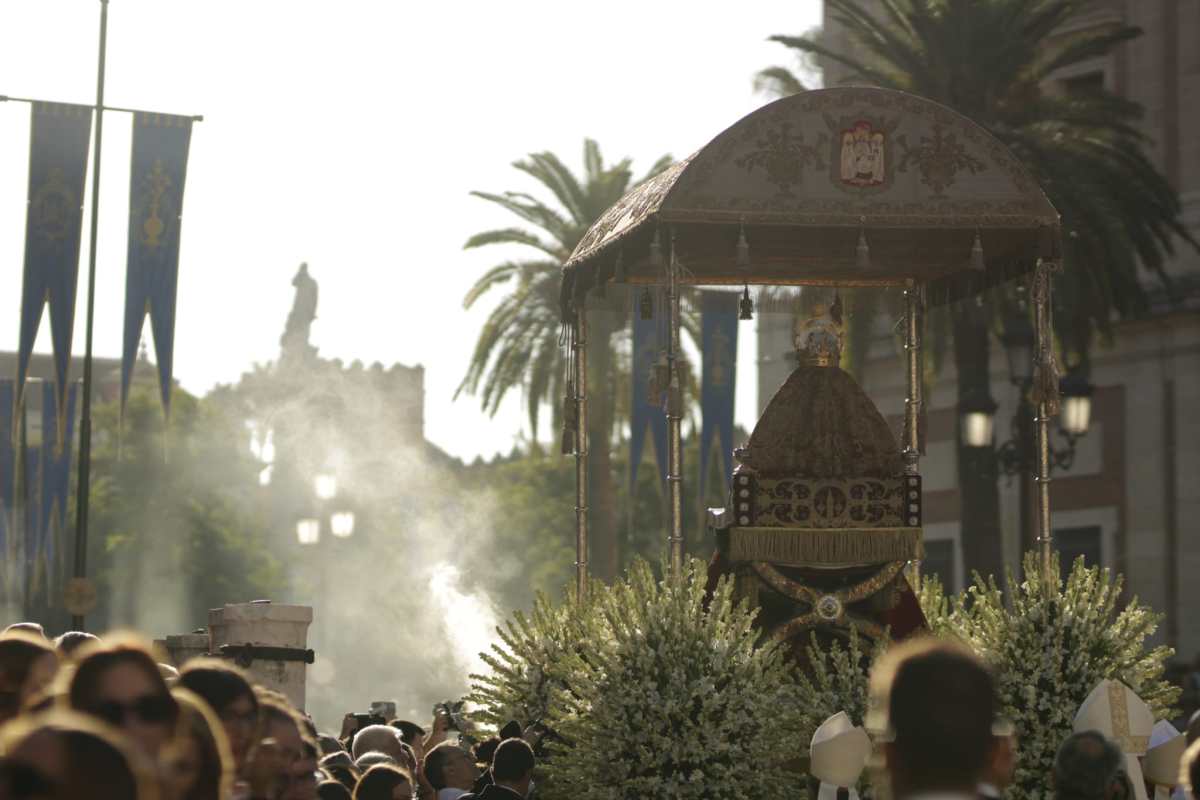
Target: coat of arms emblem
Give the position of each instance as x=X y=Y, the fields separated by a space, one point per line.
x=862 y=155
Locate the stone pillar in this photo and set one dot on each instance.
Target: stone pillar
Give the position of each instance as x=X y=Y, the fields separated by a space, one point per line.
x=183 y=647
x=263 y=624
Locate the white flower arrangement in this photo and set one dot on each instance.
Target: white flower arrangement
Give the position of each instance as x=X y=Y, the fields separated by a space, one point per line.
x=678 y=701
x=1048 y=650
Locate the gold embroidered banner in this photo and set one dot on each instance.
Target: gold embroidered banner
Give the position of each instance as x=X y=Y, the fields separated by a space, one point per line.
x=854 y=503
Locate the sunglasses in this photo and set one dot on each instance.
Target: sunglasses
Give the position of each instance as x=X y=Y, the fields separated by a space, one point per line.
x=149 y=708
x=23 y=781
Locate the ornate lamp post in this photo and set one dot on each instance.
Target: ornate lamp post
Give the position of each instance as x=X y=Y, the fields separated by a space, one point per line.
x=1018 y=455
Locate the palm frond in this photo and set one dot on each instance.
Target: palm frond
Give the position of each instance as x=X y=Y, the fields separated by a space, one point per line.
x=777 y=82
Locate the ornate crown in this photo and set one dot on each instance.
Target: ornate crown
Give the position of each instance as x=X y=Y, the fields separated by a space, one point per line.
x=818 y=338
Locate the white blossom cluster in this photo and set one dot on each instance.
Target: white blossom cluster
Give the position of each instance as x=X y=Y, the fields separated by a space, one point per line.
x=525 y=665
x=677 y=701
x=1049 y=649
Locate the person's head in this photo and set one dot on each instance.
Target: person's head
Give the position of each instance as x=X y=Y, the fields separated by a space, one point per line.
x=382 y=739
x=385 y=782
x=1189 y=771
x=940 y=703
x=119 y=682
x=512 y=765
x=328 y=744
x=64 y=755
x=413 y=735
x=32 y=628
x=283 y=724
x=486 y=749
x=197 y=763
x=1088 y=767
x=371 y=758
x=332 y=790
x=450 y=767
x=27 y=665
x=67 y=643
x=1002 y=760
x=341 y=768
x=230 y=695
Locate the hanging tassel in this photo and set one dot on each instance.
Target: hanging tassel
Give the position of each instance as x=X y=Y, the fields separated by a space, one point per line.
x=746 y=305
x=862 y=253
x=619 y=269
x=570 y=420
x=656 y=256
x=976 y=262
x=646 y=305
x=743 y=249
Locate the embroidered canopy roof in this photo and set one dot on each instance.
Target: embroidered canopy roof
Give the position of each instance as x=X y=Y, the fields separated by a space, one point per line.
x=810 y=179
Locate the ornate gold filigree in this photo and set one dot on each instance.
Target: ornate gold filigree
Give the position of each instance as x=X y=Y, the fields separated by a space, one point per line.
x=783 y=155
x=939 y=159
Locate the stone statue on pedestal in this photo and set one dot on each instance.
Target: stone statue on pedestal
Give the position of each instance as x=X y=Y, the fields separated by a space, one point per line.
x=294 y=341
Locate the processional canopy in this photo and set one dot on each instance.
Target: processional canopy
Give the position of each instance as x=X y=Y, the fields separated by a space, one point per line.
x=850 y=186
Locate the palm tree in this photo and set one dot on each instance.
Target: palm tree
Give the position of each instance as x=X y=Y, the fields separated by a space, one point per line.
x=519 y=345
x=993 y=61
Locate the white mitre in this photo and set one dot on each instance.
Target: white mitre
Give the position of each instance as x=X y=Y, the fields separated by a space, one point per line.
x=1161 y=764
x=839 y=752
x=1115 y=711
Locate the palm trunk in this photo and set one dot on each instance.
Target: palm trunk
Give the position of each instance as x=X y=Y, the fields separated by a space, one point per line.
x=606 y=544
x=982 y=541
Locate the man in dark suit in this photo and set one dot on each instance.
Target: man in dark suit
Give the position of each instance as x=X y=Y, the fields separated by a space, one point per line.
x=512 y=772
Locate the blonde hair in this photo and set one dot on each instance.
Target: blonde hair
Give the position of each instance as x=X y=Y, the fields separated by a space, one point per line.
x=198 y=722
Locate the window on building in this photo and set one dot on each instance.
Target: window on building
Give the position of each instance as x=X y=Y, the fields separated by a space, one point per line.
x=1072 y=543
x=940 y=560
x=1085 y=84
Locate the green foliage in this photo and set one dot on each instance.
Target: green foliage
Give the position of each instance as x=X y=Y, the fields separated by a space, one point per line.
x=518 y=346
x=1050 y=649
x=175 y=530
x=655 y=695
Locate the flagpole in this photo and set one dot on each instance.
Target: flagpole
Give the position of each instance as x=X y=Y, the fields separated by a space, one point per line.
x=85 y=420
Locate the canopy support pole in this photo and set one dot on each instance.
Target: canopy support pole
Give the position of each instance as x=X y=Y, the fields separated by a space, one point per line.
x=914 y=323
x=579 y=345
x=675 y=417
x=1041 y=421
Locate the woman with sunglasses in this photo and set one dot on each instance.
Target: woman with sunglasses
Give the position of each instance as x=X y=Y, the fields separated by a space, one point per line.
x=119 y=683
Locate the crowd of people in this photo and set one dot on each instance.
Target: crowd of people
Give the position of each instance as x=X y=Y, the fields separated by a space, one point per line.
x=84 y=717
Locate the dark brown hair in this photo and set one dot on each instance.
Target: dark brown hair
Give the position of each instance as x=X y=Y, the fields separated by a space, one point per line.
x=378 y=782
x=219 y=683
x=941 y=703
x=102 y=767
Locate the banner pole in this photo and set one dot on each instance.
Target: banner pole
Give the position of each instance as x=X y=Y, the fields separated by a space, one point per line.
x=85 y=420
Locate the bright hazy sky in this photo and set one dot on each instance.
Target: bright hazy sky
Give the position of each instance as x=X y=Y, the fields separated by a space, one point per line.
x=348 y=134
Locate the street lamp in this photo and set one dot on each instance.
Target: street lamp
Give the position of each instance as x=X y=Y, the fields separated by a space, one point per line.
x=341 y=524
x=308 y=531
x=325 y=486
x=1016 y=457
x=1076 y=415
x=978 y=414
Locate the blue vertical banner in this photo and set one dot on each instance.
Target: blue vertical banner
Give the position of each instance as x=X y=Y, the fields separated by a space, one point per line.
x=58 y=156
x=29 y=504
x=8 y=462
x=647 y=408
x=54 y=489
x=157 y=174
x=718 y=387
